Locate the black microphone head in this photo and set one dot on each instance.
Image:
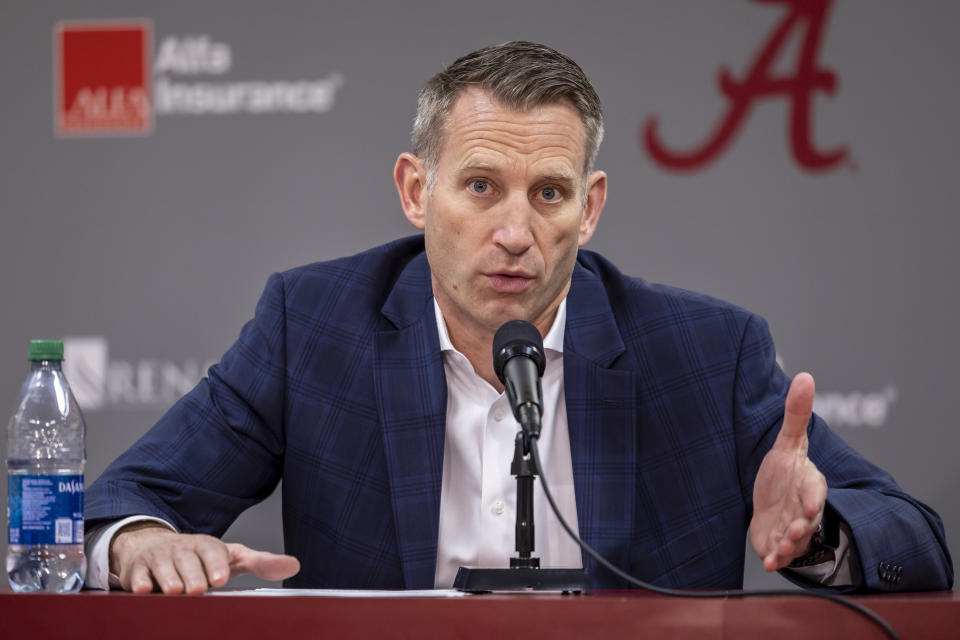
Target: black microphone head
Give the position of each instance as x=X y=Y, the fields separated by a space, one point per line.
x=514 y=338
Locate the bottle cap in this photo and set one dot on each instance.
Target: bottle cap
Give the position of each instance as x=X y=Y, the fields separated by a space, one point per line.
x=46 y=350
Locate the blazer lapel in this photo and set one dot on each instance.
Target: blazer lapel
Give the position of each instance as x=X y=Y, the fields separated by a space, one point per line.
x=411 y=395
x=601 y=418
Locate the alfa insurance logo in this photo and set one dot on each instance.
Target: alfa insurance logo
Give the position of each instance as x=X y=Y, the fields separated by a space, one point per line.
x=102 y=78
x=108 y=82
x=854 y=409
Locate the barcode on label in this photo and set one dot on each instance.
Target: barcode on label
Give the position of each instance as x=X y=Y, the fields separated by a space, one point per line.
x=63 y=531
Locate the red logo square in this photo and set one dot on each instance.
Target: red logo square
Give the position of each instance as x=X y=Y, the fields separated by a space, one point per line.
x=102 y=82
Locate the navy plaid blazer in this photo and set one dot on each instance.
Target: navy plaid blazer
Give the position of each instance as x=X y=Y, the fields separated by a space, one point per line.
x=336 y=386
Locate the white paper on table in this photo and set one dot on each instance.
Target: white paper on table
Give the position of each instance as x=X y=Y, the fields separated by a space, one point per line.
x=344 y=593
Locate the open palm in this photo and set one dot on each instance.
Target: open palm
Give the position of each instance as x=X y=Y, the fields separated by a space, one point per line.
x=789 y=492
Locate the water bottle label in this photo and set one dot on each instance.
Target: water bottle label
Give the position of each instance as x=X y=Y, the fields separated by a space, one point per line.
x=45 y=509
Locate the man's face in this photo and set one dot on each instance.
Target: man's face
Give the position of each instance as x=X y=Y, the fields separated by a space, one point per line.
x=506 y=216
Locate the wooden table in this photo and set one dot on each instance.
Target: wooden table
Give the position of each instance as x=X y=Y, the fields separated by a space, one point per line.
x=614 y=614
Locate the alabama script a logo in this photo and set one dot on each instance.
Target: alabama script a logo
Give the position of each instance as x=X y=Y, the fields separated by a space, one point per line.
x=807 y=77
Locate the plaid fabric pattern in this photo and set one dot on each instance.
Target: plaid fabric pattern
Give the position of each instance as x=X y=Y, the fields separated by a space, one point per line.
x=337 y=387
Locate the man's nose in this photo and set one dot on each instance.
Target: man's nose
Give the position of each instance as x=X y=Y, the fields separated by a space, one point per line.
x=514 y=230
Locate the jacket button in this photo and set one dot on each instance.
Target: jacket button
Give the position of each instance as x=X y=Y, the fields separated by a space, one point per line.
x=885 y=571
x=889 y=572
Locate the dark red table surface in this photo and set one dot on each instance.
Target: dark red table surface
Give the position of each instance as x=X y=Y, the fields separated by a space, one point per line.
x=611 y=614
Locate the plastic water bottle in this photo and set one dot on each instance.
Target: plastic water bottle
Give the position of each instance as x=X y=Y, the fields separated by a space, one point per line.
x=45 y=458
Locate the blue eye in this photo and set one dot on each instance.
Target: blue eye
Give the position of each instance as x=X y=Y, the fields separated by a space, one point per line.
x=479 y=186
x=548 y=193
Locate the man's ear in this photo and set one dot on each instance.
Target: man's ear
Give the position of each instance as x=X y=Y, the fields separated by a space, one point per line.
x=410 y=175
x=596 y=197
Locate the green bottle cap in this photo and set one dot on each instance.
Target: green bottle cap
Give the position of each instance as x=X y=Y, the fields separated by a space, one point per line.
x=46 y=350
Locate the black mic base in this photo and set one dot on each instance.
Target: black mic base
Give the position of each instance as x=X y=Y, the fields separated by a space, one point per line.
x=477 y=580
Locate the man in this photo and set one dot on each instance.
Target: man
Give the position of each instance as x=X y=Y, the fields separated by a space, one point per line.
x=367 y=384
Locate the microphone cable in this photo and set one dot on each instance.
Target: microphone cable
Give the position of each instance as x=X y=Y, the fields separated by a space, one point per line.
x=683 y=593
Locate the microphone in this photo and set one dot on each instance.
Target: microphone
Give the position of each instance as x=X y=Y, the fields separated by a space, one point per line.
x=519 y=362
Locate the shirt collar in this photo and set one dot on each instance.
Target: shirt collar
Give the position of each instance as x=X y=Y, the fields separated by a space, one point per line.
x=552 y=342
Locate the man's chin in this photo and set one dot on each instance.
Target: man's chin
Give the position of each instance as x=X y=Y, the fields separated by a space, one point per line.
x=502 y=311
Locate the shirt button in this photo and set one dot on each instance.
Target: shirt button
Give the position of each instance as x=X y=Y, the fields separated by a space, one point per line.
x=498 y=415
x=498 y=507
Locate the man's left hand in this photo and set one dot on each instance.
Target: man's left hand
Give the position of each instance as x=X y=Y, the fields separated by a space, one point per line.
x=789 y=492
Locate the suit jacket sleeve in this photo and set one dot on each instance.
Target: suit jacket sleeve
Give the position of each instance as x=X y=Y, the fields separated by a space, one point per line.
x=218 y=450
x=890 y=529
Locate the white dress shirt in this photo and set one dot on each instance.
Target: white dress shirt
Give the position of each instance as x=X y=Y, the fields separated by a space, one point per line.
x=478 y=495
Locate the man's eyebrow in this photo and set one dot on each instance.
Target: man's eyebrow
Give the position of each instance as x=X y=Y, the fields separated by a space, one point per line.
x=558 y=177
x=486 y=167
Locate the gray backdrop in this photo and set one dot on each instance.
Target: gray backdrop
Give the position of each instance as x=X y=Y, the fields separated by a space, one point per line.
x=149 y=252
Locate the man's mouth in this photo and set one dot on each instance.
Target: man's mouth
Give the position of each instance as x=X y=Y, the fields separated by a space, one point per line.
x=506 y=282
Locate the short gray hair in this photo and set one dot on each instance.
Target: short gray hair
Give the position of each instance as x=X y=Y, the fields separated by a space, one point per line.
x=520 y=75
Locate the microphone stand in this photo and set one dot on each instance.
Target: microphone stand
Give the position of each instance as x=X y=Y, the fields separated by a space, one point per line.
x=524 y=573
x=525 y=471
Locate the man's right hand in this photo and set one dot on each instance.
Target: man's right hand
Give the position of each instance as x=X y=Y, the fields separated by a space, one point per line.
x=146 y=556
